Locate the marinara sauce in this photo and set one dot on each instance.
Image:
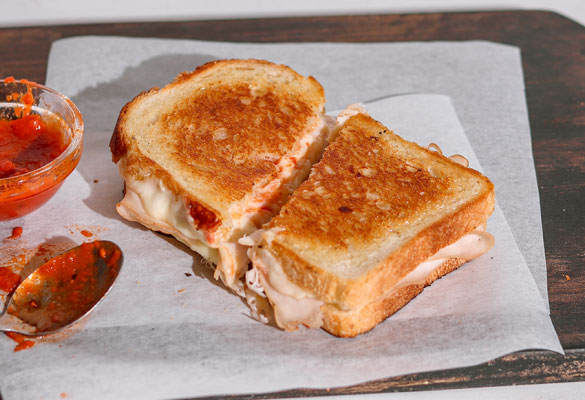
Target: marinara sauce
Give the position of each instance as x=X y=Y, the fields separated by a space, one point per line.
x=27 y=143
x=35 y=145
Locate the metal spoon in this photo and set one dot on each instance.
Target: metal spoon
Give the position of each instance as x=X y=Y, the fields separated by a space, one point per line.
x=62 y=290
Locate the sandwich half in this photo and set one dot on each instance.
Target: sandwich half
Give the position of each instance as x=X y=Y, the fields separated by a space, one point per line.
x=214 y=154
x=378 y=219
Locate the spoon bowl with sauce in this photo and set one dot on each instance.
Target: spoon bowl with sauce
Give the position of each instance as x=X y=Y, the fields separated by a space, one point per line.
x=63 y=290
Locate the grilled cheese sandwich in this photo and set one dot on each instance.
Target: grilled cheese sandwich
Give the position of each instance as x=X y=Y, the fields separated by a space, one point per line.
x=393 y=217
x=219 y=159
x=213 y=155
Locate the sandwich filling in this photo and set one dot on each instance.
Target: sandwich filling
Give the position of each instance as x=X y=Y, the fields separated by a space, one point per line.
x=153 y=204
x=293 y=306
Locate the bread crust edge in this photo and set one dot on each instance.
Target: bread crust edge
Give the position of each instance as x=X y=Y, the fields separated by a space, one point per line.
x=348 y=294
x=138 y=165
x=348 y=324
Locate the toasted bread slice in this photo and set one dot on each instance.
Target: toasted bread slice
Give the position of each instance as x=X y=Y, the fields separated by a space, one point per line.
x=374 y=210
x=214 y=154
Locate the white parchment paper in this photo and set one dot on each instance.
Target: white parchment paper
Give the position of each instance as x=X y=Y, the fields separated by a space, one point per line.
x=163 y=334
x=484 y=81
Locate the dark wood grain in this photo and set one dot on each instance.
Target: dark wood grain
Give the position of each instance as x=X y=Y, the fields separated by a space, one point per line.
x=538 y=367
x=553 y=54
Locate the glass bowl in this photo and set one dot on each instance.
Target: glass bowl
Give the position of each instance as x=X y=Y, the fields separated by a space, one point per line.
x=22 y=194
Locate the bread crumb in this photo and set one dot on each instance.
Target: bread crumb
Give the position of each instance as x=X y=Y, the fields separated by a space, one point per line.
x=410 y=167
x=180 y=290
x=220 y=134
x=258 y=91
x=382 y=205
x=367 y=172
x=329 y=170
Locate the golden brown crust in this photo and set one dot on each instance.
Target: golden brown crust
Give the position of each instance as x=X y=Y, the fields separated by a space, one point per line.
x=216 y=135
x=354 y=322
x=242 y=134
x=118 y=142
x=357 y=263
x=185 y=76
x=357 y=205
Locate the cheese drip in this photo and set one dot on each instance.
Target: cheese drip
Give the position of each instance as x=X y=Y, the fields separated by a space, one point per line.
x=152 y=204
x=293 y=305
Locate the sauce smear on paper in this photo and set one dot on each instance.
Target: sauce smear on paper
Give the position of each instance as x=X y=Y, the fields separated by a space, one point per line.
x=8 y=280
x=22 y=341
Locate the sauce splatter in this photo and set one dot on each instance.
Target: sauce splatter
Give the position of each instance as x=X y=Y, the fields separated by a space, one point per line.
x=22 y=341
x=27 y=143
x=16 y=232
x=86 y=233
x=86 y=230
x=8 y=280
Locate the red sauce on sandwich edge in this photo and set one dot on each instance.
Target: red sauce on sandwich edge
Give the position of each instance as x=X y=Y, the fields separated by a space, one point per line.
x=203 y=218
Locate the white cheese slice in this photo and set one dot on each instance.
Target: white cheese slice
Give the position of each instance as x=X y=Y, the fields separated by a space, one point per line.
x=293 y=305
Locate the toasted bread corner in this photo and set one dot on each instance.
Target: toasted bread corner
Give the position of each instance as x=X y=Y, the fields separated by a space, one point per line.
x=348 y=324
x=349 y=279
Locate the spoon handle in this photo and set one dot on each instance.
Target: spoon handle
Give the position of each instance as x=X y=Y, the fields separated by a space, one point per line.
x=10 y=323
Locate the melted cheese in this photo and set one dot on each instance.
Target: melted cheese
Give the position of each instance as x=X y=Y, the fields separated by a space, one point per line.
x=468 y=247
x=233 y=259
x=151 y=203
x=294 y=306
x=291 y=305
x=343 y=116
x=350 y=111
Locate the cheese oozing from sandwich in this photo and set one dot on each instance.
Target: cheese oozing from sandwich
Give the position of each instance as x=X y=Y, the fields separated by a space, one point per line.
x=293 y=306
x=152 y=203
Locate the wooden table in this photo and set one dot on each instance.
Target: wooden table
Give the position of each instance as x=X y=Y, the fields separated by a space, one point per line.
x=553 y=54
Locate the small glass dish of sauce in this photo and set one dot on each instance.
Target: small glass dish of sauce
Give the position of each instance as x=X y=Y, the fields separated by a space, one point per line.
x=41 y=134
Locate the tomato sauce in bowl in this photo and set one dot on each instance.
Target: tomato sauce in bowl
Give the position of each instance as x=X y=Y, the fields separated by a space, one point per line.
x=28 y=143
x=40 y=145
